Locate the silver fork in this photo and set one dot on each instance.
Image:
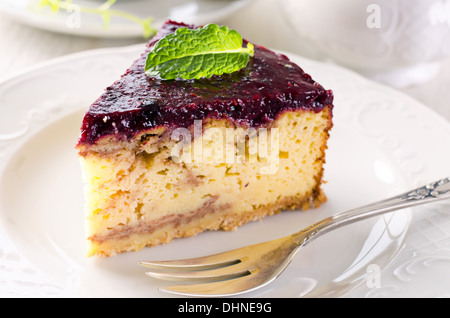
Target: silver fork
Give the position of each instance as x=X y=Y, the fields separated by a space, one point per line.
x=245 y=269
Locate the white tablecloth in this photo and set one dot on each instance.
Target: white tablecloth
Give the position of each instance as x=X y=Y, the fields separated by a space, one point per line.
x=261 y=22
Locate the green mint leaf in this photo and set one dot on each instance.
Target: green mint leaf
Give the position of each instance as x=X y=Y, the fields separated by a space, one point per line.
x=196 y=53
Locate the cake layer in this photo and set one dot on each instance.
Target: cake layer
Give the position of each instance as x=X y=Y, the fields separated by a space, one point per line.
x=252 y=97
x=155 y=190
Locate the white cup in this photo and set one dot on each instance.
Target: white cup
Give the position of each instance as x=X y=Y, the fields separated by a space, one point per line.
x=399 y=42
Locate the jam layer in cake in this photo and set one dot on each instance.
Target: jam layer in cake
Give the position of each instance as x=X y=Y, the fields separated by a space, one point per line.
x=169 y=159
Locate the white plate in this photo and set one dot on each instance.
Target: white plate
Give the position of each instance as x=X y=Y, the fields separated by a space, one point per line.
x=87 y=24
x=382 y=143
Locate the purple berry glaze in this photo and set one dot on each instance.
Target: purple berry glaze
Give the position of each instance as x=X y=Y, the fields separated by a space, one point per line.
x=251 y=97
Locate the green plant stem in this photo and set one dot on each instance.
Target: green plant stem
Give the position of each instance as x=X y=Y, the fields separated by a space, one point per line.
x=105 y=11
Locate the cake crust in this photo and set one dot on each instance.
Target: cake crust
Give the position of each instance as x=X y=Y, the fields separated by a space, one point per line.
x=171 y=227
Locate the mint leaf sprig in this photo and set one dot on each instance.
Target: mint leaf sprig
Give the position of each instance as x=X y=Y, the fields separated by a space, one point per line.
x=197 y=53
x=104 y=11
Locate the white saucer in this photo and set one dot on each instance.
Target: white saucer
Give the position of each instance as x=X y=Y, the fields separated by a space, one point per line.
x=198 y=12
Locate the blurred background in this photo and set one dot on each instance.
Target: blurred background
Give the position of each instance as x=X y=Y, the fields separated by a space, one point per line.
x=401 y=43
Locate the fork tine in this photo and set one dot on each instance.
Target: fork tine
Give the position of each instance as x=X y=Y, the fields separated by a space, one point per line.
x=193 y=264
x=196 y=277
x=228 y=258
x=226 y=288
x=208 y=275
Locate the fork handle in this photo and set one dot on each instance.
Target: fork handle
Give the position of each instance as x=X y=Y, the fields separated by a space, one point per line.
x=435 y=191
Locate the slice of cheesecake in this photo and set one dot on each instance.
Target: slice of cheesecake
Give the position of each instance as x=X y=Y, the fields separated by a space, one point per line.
x=165 y=159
